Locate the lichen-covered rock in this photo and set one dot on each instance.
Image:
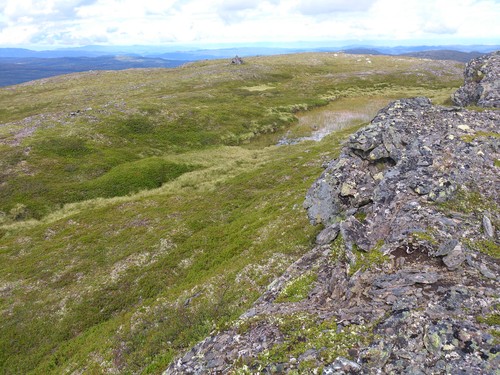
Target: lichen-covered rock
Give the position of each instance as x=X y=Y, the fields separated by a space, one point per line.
x=327 y=235
x=481 y=86
x=424 y=153
x=342 y=366
x=488 y=227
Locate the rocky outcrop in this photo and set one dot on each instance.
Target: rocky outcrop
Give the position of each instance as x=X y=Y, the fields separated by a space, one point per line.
x=237 y=60
x=481 y=86
x=410 y=155
x=404 y=276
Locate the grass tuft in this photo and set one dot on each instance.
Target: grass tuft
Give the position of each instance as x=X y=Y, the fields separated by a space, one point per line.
x=297 y=289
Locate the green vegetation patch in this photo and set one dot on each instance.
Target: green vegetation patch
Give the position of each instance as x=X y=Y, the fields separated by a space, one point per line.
x=139 y=125
x=132 y=177
x=491 y=319
x=298 y=289
x=480 y=134
x=468 y=201
x=141 y=278
x=427 y=236
x=368 y=259
x=360 y=215
x=65 y=147
x=338 y=248
x=489 y=247
x=303 y=332
x=32 y=195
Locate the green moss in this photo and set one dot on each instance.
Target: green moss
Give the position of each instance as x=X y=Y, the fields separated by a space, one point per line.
x=306 y=366
x=492 y=319
x=338 y=248
x=297 y=289
x=480 y=134
x=468 y=201
x=497 y=163
x=303 y=332
x=427 y=236
x=366 y=260
x=478 y=76
x=360 y=215
x=489 y=247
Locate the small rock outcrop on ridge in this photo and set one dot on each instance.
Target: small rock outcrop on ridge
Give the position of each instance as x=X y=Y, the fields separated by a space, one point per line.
x=237 y=60
x=404 y=277
x=482 y=86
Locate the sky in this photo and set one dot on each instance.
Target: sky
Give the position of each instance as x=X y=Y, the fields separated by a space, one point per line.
x=67 y=23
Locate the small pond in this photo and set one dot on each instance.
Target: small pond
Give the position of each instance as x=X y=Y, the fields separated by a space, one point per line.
x=316 y=124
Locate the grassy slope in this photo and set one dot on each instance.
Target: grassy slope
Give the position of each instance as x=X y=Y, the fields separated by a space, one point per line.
x=57 y=157
x=125 y=283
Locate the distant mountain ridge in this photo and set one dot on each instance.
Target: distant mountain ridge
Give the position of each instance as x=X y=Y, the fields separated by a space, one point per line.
x=441 y=54
x=445 y=55
x=221 y=52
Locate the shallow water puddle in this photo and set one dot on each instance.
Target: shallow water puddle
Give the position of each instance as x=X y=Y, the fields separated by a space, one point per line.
x=323 y=123
x=316 y=124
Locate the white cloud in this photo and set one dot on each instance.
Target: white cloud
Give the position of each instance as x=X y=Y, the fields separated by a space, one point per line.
x=58 y=22
x=41 y=9
x=322 y=7
x=236 y=11
x=236 y=5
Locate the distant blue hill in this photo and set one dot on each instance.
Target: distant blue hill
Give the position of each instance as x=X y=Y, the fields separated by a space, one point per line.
x=15 y=70
x=445 y=55
x=223 y=53
x=192 y=53
x=400 y=50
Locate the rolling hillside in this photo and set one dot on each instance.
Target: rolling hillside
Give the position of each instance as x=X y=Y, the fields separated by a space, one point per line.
x=141 y=210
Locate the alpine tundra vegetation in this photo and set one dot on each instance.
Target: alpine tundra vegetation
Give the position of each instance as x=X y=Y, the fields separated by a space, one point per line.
x=153 y=219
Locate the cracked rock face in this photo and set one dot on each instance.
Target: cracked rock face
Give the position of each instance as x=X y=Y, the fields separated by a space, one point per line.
x=481 y=86
x=411 y=154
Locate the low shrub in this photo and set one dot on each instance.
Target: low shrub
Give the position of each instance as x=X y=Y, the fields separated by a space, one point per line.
x=134 y=176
